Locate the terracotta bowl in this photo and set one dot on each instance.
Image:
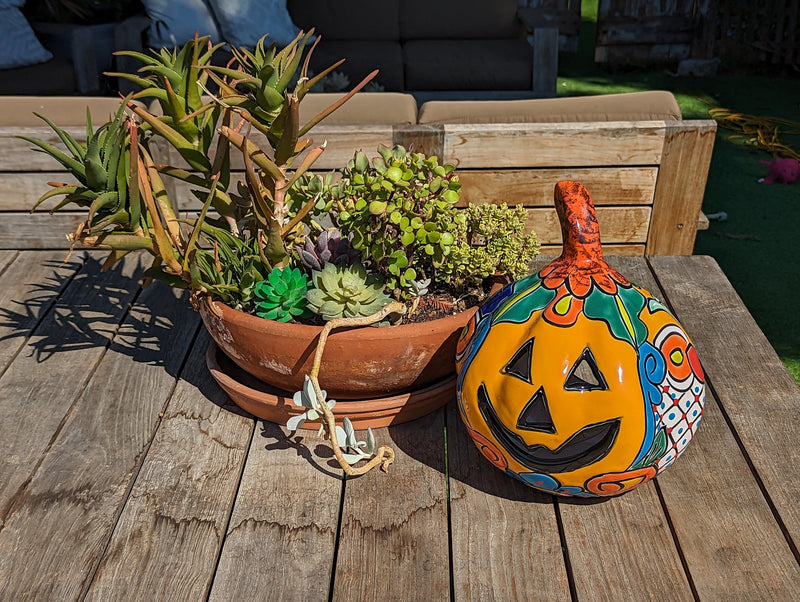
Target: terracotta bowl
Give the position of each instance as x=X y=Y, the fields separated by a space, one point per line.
x=358 y=363
x=271 y=404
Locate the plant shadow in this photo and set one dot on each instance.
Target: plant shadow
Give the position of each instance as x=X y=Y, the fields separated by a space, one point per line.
x=79 y=306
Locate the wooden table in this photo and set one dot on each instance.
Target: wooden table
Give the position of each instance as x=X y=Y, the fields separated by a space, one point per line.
x=126 y=473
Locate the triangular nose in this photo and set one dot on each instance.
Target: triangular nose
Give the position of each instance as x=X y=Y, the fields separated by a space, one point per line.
x=535 y=416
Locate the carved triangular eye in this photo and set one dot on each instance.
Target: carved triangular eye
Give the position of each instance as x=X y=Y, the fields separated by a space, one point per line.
x=585 y=375
x=535 y=416
x=520 y=364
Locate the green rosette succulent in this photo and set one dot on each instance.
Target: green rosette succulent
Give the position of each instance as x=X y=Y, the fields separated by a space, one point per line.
x=345 y=291
x=282 y=296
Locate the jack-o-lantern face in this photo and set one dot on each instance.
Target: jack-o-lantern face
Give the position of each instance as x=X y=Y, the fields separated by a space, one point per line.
x=577 y=382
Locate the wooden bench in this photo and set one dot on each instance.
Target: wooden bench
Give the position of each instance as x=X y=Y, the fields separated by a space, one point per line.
x=647 y=178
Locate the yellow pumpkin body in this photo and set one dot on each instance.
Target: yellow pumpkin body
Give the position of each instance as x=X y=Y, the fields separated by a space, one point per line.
x=574 y=380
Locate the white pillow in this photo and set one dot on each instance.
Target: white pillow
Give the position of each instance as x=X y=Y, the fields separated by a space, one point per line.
x=174 y=22
x=18 y=44
x=243 y=23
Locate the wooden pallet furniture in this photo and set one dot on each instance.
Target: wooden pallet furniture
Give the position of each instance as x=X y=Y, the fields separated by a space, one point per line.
x=647 y=178
x=127 y=474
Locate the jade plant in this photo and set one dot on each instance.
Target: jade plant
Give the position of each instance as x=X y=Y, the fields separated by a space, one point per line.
x=365 y=247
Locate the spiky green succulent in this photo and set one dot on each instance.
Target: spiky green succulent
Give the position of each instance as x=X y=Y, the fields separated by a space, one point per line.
x=101 y=166
x=282 y=296
x=342 y=291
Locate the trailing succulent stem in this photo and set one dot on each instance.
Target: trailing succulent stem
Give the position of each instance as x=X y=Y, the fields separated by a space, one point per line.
x=320 y=407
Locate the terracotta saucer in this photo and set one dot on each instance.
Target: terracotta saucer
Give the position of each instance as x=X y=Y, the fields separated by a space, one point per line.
x=277 y=406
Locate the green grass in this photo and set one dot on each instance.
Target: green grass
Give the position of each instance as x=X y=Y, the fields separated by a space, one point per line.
x=757 y=246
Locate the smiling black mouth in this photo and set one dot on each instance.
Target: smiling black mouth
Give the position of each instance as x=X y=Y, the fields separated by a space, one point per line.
x=587 y=446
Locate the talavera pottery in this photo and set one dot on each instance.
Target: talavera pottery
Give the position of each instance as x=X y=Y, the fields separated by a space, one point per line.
x=574 y=380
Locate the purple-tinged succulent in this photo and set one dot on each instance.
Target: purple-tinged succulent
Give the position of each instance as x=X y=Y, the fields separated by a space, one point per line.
x=330 y=247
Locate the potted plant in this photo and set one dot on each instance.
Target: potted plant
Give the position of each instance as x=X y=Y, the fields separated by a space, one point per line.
x=260 y=265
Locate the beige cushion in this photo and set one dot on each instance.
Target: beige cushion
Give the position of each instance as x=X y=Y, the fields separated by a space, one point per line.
x=633 y=106
x=365 y=108
x=61 y=110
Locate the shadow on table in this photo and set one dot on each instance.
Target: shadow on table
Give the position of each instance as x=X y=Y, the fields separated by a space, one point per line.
x=424 y=440
x=79 y=306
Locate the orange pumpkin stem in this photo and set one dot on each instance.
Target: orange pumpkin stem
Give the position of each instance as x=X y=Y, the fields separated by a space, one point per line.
x=579 y=229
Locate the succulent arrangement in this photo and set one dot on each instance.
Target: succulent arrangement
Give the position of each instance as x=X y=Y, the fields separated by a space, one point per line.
x=394 y=232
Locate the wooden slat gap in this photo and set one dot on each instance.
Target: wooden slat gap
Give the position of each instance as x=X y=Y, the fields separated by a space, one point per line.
x=139 y=462
x=732 y=428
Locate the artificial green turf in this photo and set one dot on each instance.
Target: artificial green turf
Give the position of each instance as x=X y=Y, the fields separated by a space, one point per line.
x=756 y=246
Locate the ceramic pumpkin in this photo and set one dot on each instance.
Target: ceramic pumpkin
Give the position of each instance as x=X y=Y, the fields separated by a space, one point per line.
x=574 y=380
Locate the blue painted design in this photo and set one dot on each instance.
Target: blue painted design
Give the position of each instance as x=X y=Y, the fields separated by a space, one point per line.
x=652 y=370
x=540 y=481
x=493 y=302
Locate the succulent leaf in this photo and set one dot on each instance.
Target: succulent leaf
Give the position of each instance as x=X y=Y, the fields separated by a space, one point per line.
x=282 y=295
x=345 y=291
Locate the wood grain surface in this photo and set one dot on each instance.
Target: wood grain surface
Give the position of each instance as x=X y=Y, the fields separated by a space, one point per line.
x=60 y=523
x=534 y=187
x=681 y=185
x=759 y=398
x=586 y=144
x=39 y=388
x=282 y=535
x=393 y=537
x=178 y=510
x=126 y=473
x=505 y=539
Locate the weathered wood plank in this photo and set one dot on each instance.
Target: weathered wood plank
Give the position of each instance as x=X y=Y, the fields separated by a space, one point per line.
x=609 y=541
x=762 y=406
x=178 y=509
x=61 y=521
x=62 y=353
x=680 y=188
x=282 y=533
x=732 y=545
x=20 y=191
x=38 y=230
x=617 y=224
x=18 y=155
x=534 y=187
x=505 y=539
x=616 y=143
x=655 y=30
x=6 y=257
x=393 y=541
x=33 y=280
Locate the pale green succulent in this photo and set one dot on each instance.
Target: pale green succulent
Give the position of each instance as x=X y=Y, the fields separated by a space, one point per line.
x=345 y=291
